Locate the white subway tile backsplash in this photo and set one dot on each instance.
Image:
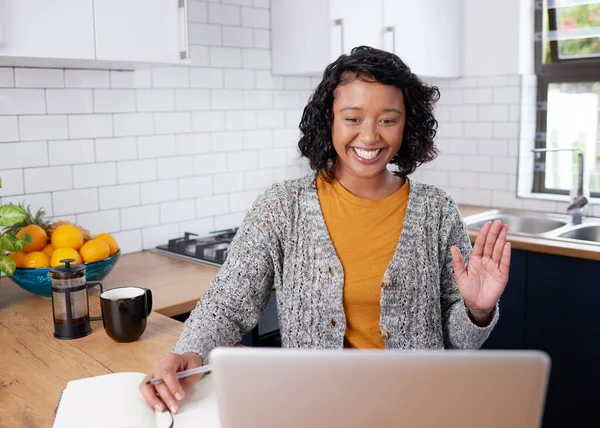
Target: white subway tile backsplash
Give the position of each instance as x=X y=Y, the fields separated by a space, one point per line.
x=452 y=96
x=39 y=78
x=223 y=14
x=256 y=18
x=69 y=101
x=258 y=179
x=174 y=167
x=22 y=101
x=262 y=38
x=129 y=241
x=40 y=127
x=256 y=58
x=462 y=179
x=68 y=152
x=140 y=216
x=131 y=124
x=514 y=113
x=451 y=130
x=463 y=113
x=141 y=78
x=136 y=171
x=206 y=78
x=225 y=57
x=507 y=95
x=114 y=100
x=100 y=222
x=39 y=180
x=75 y=201
x=159 y=191
x=242 y=161
x=192 y=99
x=226 y=141
x=90 y=125
x=23 y=155
x=265 y=80
x=119 y=196
x=271 y=119
x=227 y=183
x=261 y=3
x=271 y=158
x=171 y=77
x=241 y=78
x=492 y=147
x=477 y=163
x=95 y=175
x=229 y=221
x=201 y=227
x=208 y=121
x=477 y=197
x=87 y=78
x=506 y=199
x=257 y=100
x=258 y=139
x=493 y=113
x=115 y=149
x=156 y=146
x=238 y=37
x=294 y=82
x=12 y=182
x=286 y=137
x=197 y=11
x=35 y=202
x=189 y=144
x=172 y=122
x=506 y=130
x=212 y=205
x=477 y=96
x=194 y=187
x=240 y=120
x=7 y=79
x=506 y=165
x=238 y=2
x=171 y=212
x=492 y=181
x=158 y=235
x=242 y=201
x=9 y=129
x=492 y=81
x=155 y=100
x=225 y=99
x=478 y=130
x=199 y=57
x=292 y=118
x=439 y=178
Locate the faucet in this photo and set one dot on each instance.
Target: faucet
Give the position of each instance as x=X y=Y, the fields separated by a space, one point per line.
x=578 y=202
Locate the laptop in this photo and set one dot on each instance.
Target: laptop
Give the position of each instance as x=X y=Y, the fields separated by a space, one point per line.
x=274 y=387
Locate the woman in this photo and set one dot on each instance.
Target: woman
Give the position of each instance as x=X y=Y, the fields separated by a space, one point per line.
x=361 y=256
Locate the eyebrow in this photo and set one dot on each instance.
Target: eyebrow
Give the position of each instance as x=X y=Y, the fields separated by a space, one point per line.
x=385 y=110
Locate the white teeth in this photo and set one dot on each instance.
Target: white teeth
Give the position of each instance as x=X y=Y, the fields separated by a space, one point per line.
x=366 y=154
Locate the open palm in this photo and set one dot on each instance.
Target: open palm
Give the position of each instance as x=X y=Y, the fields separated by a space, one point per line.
x=482 y=281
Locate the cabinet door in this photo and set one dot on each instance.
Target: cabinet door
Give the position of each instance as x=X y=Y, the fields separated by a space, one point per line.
x=57 y=29
x=355 y=23
x=426 y=35
x=563 y=296
x=140 y=30
x=509 y=333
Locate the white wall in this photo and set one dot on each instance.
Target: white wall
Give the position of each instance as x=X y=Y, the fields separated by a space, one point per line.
x=147 y=155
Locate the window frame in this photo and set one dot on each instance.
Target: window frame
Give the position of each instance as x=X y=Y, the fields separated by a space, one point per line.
x=558 y=71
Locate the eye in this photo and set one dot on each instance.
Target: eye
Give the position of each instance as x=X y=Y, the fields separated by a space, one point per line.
x=352 y=120
x=389 y=121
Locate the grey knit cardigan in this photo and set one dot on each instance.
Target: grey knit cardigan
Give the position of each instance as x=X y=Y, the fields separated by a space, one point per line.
x=283 y=242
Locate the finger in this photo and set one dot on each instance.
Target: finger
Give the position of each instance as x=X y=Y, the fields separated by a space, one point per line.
x=167 y=396
x=505 y=261
x=457 y=263
x=491 y=238
x=480 y=240
x=499 y=246
x=149 y=394
x=188 y=382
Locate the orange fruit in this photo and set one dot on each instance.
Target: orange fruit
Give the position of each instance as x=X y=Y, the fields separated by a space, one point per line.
x=48 y=250
x=67 y=236
x=36 y=259
x=18 y=257
x=64 y=253
x=94 y=250
x=39 y=237
x=112 y=242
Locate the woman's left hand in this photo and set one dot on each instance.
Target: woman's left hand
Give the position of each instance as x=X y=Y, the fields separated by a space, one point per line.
x=483 y=280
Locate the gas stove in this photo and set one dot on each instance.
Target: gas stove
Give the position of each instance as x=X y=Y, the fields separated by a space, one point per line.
x=209 y=250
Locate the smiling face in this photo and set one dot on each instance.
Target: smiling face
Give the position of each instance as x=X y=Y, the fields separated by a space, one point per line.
x=368 y=124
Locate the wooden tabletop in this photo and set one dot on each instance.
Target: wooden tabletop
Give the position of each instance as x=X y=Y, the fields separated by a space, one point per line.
x=35 y=367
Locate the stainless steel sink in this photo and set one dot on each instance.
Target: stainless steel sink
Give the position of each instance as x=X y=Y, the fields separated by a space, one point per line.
x=523 y=224
x=583 y=233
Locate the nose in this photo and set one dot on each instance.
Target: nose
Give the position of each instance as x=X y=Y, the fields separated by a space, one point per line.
x=368 y=132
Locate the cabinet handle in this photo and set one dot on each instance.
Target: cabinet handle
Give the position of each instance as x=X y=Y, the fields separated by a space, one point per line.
x=340 y=23
x=392 y=29
x=183 y=9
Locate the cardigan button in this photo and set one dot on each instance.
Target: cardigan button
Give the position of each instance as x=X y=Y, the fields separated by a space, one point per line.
x=386 y=282
x=331 y=272
x=333 y=322
x=384 y=333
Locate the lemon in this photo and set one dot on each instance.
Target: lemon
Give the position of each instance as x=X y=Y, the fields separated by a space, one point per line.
x=94 y=250
x=67 y=236
x=112 y=242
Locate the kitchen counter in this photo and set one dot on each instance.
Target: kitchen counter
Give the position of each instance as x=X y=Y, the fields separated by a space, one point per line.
x=538 y=245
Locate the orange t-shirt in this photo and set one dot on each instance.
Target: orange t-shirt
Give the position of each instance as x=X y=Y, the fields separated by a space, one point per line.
x=365 y=235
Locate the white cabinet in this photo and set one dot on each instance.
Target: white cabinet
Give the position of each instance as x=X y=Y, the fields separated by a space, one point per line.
x=47 y=29
x=426 y=34
x=140 y=30
x=93 y=33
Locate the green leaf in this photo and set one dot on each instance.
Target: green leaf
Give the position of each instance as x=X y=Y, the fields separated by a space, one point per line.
x=9 y=242
x=11 y=214
x=7 y=265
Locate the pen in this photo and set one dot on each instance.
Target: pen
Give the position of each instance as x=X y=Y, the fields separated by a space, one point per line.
x=202 y=369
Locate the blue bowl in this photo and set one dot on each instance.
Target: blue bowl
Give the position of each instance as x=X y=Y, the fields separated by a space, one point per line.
x=38 y=282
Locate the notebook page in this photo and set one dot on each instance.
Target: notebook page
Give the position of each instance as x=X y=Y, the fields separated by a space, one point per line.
x=106 y=401
x=198 y=408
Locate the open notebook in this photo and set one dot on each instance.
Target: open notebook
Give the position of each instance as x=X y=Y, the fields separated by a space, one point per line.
x=114 y=400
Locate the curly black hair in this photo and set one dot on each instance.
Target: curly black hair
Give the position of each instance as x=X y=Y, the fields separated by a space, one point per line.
x=370 y=64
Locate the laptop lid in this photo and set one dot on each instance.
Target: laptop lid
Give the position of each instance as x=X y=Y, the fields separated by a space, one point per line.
x=272 y=387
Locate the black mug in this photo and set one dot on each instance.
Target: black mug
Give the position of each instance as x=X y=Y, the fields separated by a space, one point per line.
x=124 y=312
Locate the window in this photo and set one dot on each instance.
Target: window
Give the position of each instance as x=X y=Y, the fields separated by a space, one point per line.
x=567 y=65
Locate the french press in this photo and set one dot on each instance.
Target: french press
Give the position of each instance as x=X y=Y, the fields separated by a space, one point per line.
x=70 y=308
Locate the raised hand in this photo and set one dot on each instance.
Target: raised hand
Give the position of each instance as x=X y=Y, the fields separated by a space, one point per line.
x=482 y=281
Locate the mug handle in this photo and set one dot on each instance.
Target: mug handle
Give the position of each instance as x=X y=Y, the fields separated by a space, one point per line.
x=91 y=284
x=148 y=301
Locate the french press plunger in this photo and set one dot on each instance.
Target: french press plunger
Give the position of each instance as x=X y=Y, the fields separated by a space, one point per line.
x=70 y=308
